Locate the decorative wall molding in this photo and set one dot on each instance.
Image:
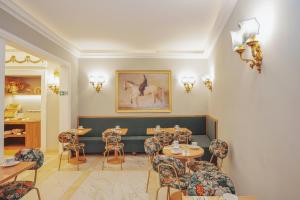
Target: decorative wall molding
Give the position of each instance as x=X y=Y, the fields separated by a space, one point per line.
x=19 y=13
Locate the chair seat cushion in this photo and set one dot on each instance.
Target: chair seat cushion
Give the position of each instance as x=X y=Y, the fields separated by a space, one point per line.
x=213 y=183
x=134 y=137
x=182 y=182
x=15 y=190
x=202 y=165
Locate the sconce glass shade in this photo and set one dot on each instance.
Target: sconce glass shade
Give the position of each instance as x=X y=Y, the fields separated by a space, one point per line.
x=249 y=28
x=237 y=40
x=96 y=79
x=53 y=82
x=188 y=79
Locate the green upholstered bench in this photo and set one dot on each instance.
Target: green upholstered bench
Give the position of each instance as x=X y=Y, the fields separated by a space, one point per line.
x=203 y=128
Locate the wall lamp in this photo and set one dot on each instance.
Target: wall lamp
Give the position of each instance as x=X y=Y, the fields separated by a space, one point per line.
x=188 y=83
x=53 y=82
x=208 y=83
x=97 y=82
x=246 y=36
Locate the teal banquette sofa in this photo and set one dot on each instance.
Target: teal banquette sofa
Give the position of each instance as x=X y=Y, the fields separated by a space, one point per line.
x=203 y=127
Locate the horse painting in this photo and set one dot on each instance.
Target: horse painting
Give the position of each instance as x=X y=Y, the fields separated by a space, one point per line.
x=137 y=90
x=146 y=91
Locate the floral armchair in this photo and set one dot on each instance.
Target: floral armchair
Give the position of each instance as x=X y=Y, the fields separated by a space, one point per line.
x=17 y=189
x=218 y=149
x=210 y=183
x=152 y=147
x=171 y=173
x=165 y=138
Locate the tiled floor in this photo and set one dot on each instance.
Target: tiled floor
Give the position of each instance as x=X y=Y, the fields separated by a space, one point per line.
x=91 y=182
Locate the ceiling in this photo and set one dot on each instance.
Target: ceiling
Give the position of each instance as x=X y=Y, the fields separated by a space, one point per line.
x=105 y=27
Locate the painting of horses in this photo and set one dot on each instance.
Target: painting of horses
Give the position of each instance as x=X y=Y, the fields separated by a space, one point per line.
x=143 y=91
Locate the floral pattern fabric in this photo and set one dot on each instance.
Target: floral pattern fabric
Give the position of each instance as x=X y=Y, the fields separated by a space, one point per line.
x=171 y=172
x=152 y=146
x=210 y=183
x=202 y=165
x=218 y=148
x=15 y=190
x=183 y=137
x=165 y=138
x=31 y=155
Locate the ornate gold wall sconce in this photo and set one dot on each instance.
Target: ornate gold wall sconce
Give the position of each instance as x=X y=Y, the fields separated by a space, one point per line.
x=208 y=83
x=97 y=82
x=188 y=83
x=244 y=37
x=53 y=82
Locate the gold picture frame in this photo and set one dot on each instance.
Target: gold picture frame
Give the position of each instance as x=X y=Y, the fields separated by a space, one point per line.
x=143 y=91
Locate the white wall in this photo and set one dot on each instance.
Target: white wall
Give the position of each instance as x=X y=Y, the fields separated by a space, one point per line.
x=91 y=103
x=259 y=113
x=2 y=83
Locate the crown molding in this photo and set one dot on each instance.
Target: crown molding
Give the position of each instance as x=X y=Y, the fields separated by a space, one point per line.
x=144 y=54
x=219 y=25
x=20 y=14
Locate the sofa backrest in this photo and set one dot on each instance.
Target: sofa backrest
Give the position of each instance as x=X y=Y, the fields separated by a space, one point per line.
x=137 y=126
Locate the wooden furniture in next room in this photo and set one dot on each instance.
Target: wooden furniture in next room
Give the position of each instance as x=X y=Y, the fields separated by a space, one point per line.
x=31 y=128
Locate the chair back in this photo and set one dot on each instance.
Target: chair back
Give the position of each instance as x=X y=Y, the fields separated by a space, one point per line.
x=111 y=138
x=152 y=146
x=66 y=138
x=31 y=155
x=218 y=148
x=165 y=138
x=168 y=167
x=183 y=137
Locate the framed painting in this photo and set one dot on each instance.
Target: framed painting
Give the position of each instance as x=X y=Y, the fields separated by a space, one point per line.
x=143 y=91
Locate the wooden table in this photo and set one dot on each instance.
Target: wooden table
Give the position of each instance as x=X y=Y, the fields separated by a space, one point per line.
x=192 y=153
x=152 y=131
x=212 y=198
x=7 y=173
x=77 y=159
x=116 y=159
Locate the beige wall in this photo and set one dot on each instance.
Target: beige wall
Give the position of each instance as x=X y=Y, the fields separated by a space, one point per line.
x=91 y=103
x=259 y=113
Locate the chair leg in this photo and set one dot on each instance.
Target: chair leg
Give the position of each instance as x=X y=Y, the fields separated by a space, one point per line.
x=157 y=192
x=149 y=173
x=120 y=154
x=168 y=193
x=60 y=161
x=104 y=154
x=77 y=159
x=83 y=152
x=38 y=192
x=69 y=155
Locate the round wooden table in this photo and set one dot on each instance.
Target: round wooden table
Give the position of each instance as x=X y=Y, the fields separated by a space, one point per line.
x=191 y=152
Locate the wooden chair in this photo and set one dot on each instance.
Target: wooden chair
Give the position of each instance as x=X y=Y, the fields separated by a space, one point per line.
x=219 y=150
x=183 y=137
x=112 y=143
x=70 y=143
x=165 y=138
x=17 y=189
x=171 y=174
x=152 y=148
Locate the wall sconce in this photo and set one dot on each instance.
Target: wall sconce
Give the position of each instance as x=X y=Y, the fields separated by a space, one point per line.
x=208 y=83
x=97 y=82
x=246 y=36
x=188 y=83
x=53 y=82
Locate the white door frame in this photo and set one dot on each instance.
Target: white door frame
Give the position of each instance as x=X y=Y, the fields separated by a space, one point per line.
x=2 y=77
x=64 y=111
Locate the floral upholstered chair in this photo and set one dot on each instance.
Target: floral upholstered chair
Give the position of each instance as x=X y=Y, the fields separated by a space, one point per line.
x=112 y=143
x=165 y=138
x=17 y=189
x=210 y=183
x=152 y=147
x=171 y=173
x=218 y=149
x=183 y=137
x=70 y=143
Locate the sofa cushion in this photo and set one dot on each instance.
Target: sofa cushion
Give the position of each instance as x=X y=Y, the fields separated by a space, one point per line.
x=202 y=140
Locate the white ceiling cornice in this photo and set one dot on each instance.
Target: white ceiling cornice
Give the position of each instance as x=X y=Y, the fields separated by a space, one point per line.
x=19 y=13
